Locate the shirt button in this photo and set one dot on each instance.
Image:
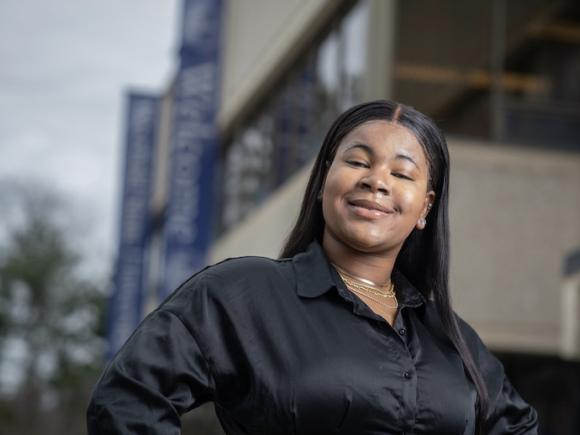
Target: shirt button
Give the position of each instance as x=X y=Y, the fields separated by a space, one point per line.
x=402 y=331
x=407 y=375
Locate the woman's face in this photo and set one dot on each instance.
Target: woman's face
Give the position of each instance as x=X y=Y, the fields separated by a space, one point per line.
x=375 y=191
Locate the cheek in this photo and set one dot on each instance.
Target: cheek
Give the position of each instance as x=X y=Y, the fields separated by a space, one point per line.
x=334 y=186
x=412 y=200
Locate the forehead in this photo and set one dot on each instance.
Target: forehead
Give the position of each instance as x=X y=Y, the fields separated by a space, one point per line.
x=384 y=137
x=380 y=131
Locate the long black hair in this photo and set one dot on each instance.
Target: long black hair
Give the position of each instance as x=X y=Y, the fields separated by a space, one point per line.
x=424 y=257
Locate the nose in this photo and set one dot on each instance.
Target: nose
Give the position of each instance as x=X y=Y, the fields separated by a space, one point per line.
x=375 y=182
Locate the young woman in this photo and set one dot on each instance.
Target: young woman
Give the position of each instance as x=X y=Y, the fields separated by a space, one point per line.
x=350 y=332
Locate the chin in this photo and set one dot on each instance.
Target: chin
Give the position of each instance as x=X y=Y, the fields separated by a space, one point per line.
x=369 y=245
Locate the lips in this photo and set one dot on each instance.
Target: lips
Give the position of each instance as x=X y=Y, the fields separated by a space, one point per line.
x=369 y=208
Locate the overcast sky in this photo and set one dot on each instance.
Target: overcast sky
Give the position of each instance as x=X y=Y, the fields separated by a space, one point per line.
x=65 y=66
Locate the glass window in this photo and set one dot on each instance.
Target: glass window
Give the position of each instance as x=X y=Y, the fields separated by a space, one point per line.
x=501 y=70
x=275 y=142
x=354 y=35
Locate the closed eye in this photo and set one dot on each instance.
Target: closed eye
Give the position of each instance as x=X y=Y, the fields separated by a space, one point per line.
x=403 y=176
x=357 y=163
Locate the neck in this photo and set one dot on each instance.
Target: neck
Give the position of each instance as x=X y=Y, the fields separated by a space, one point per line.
x=375 y=267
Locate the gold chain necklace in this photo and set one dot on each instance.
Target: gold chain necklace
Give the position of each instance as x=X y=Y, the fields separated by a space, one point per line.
x=384 y=295
x=383 y=303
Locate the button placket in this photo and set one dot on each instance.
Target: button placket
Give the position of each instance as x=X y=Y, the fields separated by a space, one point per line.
x=409 y=385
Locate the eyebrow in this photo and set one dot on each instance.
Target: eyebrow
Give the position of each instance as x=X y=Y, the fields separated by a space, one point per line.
x=363 y=146
x=406 y=157
x=370 y=151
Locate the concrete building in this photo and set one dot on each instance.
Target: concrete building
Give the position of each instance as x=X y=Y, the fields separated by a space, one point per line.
x=502 y=79
x=514 y=136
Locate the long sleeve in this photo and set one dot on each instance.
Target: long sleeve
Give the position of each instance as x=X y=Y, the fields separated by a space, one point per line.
x=508 y=412
x=159 y=374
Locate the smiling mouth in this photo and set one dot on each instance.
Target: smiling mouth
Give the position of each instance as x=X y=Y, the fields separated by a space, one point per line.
x=369 y=209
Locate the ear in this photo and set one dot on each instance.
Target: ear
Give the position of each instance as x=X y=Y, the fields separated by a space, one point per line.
x=429 y=201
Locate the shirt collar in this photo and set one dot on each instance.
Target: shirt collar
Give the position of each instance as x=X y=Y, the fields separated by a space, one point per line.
x=316 y=276
x=313 y=272
x=407 y=294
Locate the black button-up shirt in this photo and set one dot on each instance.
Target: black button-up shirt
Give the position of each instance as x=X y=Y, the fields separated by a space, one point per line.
x=283 y=347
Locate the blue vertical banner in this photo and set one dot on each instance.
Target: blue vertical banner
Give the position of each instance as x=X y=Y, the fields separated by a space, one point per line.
x=194 y=144
x=126 y=301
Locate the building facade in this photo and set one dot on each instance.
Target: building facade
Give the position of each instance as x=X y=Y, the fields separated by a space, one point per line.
x=510 y=109
x=502 y=80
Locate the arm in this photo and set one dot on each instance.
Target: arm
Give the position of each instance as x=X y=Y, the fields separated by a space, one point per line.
x=508 y=412
x=159 y=374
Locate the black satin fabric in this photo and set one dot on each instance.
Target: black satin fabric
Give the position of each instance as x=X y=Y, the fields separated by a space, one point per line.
x=282 y=347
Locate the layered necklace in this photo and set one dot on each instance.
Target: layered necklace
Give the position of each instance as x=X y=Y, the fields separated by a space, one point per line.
x=383 y=295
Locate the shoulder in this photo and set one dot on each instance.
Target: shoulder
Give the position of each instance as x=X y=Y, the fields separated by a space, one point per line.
x=224 y=299
x=247 y=272
x=477 y=347
x=248 y=265
x=488 y=364
x=471 y=337
x=232 y=277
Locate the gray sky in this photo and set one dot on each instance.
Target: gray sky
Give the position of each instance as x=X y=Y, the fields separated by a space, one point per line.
x=64 y=68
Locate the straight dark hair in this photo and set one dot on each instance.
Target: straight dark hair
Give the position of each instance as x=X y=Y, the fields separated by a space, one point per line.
x=424 y=257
